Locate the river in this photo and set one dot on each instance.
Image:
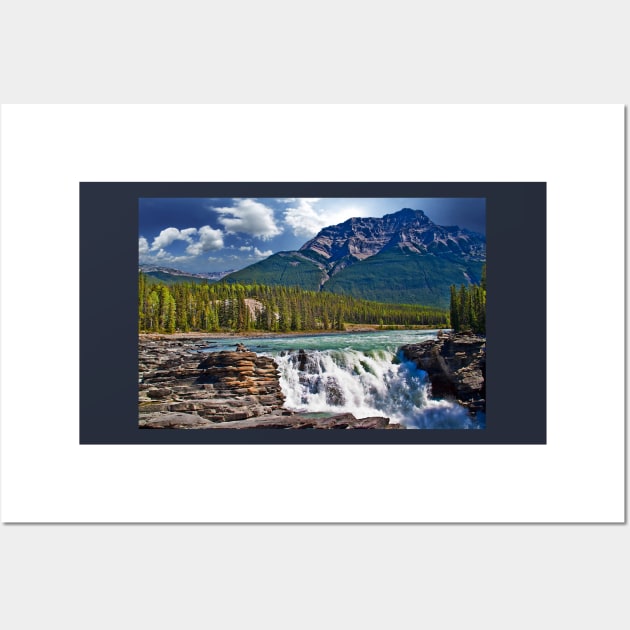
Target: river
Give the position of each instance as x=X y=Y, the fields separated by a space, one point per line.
x=360 y=373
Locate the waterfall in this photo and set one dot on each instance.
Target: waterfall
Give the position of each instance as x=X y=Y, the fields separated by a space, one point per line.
x=365 y=383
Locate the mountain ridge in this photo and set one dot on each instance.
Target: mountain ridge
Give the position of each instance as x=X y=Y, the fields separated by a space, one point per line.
x=170 y=275
x=359 y=238
x=400 y=257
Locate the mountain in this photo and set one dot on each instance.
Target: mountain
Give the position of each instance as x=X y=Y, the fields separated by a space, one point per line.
x=170 y=276
x=283 y=268
x=400 y=257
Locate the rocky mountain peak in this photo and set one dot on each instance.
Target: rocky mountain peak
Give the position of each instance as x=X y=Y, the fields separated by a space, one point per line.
x=360 y=237
x=408 y=214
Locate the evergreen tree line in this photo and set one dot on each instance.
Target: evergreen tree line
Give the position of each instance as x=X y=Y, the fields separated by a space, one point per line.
x=468 y=307
x=188 y=307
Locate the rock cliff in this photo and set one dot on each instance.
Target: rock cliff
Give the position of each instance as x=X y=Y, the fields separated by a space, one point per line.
x=359 y=238
x=175 y=376
x=456 y=366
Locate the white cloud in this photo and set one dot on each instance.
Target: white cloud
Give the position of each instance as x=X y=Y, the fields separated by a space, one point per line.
x=163 y=256
x=171 y=234
x=199 y=241
x=209 y=240
x=146 y=256
x=259 y=254
x=245 y=248
x=307 y=220
x=304 y=219
x=188 y=232
x=249 y=217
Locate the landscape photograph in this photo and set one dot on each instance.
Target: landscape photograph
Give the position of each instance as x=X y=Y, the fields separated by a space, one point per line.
x=312 y=313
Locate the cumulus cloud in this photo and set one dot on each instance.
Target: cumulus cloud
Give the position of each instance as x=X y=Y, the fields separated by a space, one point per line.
x=303 y=218
x=209 y=240
x=251 y=217
x=171 y=234
x=254 y=252
x=147 y=256
x=199 y=241
x=163 y=256
x=188 y=232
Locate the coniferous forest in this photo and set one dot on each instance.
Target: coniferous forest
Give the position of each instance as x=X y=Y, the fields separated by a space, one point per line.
x=215 y=307
x=468 y=307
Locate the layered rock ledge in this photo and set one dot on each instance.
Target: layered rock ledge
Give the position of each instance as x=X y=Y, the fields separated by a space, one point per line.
x=271 y=421
x=181 y=387
x=456 y=366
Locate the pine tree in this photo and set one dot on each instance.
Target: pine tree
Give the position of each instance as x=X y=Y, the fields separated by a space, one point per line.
x=468 y=308
x=212 y=307
x=454 y=309
x=153 y=312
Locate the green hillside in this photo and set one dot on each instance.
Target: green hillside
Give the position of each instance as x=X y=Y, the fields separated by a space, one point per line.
x=401 y=276
x=156 y=277
x=283 y=268
x=393 y=276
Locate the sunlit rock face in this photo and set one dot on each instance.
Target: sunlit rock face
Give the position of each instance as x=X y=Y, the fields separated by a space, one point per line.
x=175 y=377
x=359 y=238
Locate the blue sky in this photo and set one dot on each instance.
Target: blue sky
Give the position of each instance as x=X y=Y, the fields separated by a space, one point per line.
x=216 y=234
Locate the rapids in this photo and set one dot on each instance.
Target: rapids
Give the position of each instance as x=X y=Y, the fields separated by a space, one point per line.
x=360 y=373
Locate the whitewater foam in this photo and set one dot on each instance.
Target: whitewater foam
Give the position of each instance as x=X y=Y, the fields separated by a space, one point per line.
x=365 y=383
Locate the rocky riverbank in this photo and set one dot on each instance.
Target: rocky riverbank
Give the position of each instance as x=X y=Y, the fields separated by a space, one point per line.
x=456 y=365
x=184 y=388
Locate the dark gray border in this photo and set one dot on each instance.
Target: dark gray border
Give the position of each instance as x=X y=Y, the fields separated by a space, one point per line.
x=516 y=348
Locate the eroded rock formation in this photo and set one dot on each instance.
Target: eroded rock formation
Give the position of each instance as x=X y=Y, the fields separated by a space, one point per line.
x=456 y=365
x=272 y=421
x=176 y=377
